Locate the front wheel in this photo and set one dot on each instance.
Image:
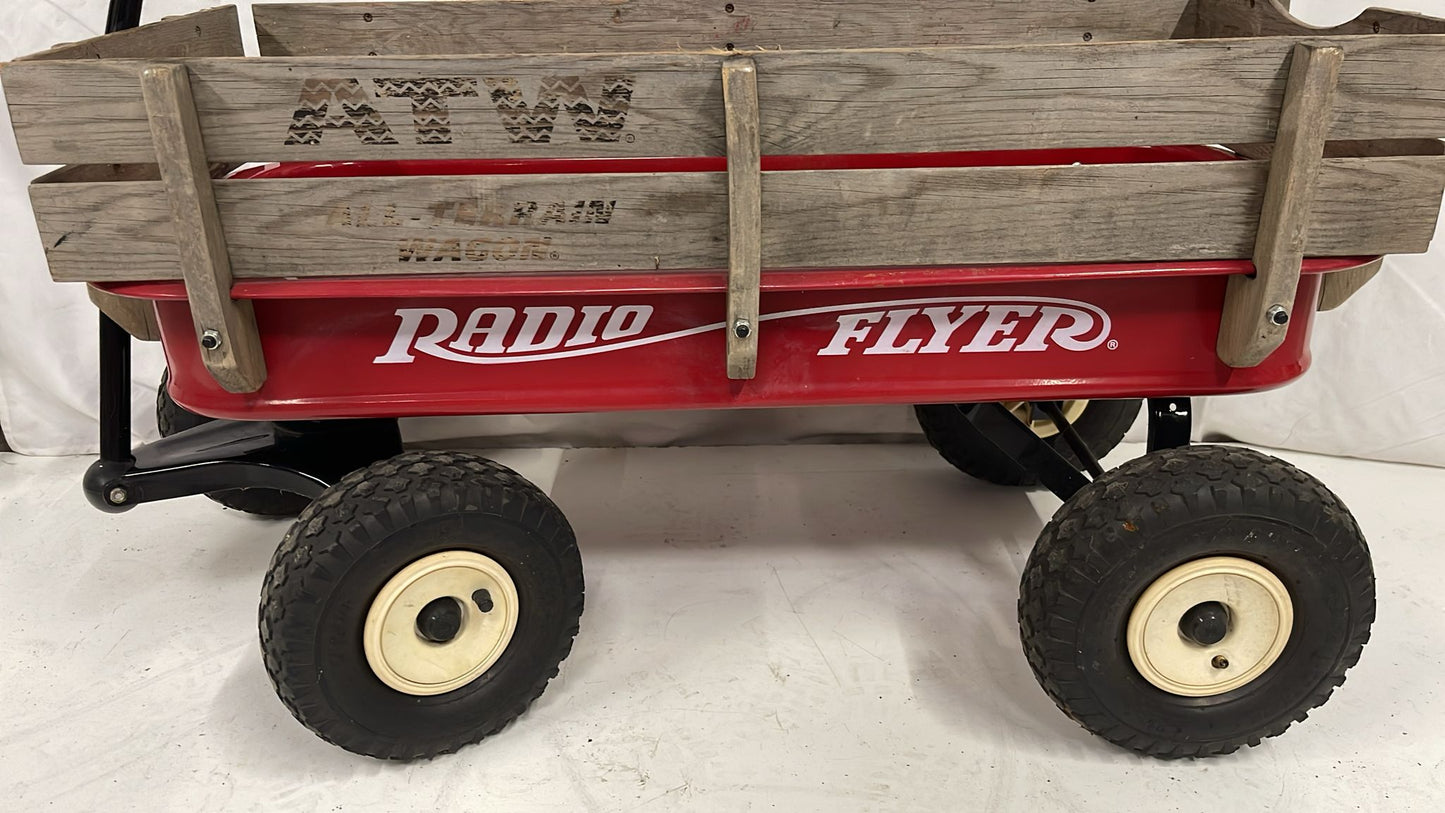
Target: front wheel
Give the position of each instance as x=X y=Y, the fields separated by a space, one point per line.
x=1196 y=600
x=420 y=605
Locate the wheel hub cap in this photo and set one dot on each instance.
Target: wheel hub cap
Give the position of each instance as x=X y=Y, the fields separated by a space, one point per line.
x=1209 y=626
x=440 y=623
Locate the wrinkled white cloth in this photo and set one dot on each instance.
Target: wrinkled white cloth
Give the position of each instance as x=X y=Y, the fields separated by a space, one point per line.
x=1377 y=388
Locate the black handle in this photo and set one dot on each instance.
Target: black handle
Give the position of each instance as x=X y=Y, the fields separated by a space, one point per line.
x=123 y=14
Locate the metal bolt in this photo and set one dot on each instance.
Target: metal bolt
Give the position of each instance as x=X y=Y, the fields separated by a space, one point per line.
x=742 y=330
x=1278 y=315
x=483 y=600
x=1219 y=662
x=211 y=339
x=117 y=496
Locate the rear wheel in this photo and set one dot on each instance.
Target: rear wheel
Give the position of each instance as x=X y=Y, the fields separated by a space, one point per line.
x=1102 y=425
x=1196 y=600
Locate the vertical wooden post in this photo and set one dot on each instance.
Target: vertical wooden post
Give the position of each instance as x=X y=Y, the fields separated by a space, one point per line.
x=225 y=328
x=1257 y=309
x=745 y=215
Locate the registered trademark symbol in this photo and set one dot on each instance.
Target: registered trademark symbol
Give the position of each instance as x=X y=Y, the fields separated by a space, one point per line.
x=1113 y=344
x=629 y=138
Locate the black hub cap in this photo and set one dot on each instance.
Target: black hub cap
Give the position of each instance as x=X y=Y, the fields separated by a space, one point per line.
x=440 y=620
x=1205 y=624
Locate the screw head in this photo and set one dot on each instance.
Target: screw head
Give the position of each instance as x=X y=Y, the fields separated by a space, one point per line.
x=1219 y=662
x=117 y=496
x=742 y=330
x=483 y=600
x=210 y=339
x=1278 y=315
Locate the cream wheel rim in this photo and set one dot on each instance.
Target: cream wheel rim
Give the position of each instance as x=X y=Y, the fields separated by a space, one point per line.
x=1042 y=426
x=407 y=608
x=1260 y=618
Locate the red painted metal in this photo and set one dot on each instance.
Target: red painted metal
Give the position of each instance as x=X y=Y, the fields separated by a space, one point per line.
x=416 y=345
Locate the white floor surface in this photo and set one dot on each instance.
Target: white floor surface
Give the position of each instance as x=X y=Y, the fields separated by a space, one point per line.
x=793 y=628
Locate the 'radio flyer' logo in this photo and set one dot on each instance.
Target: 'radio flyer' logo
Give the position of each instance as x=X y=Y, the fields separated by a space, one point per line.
x=502 y=335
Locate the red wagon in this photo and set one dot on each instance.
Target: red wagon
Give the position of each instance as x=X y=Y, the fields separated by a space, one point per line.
x=646 y=204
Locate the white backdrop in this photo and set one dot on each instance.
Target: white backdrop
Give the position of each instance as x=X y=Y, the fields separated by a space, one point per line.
x=1377 y=388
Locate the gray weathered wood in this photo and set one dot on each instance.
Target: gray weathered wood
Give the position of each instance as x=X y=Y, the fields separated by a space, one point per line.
x=213 y=32
x=1355 y=149
x=359 y=226
x=136 y=316
x=559 y=26
x=1257 y=309
x=745 y=216
x=1266 y=18
x=235 y=362
x=1341 y=285
x=1112 y=94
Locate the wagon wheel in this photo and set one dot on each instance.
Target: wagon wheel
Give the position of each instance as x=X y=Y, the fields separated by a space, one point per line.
x=1196 y=600
x=1101 y=423
x=420 y=604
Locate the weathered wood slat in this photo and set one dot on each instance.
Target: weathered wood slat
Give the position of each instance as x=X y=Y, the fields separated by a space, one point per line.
x=136 y=316
x=745 y=216
x=230 y=342
x=213 y=32
x=1341 y=285
x=1264 y=18
x=464 y=225
x=560 y=26
x=1257 y=309
x=360 y=108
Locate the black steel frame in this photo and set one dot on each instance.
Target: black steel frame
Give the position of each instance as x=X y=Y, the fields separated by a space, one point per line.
x=991 y=424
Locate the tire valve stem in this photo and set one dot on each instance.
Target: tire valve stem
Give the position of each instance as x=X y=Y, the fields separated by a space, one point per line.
x=483 y=600
x=1220 y=662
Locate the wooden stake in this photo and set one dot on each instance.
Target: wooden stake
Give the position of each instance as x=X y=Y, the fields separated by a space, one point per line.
x=1257 y=309
x=745 y=215
x=226 y=329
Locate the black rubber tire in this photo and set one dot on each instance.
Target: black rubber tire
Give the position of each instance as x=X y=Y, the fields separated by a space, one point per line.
x=1102 y=426
x=1123 y=531
x=345 y=546
x=172 y=418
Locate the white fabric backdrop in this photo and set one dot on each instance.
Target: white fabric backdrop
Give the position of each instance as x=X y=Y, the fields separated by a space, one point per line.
x=1377 y=388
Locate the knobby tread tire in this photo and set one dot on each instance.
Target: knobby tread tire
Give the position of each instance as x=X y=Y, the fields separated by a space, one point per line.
x=353 y=519
x=1107 y=524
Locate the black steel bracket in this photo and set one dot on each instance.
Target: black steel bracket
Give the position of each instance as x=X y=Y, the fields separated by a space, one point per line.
x=990 y=423
x=1170 y=423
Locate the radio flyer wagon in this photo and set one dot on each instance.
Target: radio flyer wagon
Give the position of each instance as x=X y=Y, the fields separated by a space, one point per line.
x=1005 y=211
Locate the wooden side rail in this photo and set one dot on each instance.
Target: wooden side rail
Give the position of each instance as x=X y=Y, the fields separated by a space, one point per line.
x=745 y=216
x=821 y=102
x=1257 y=309
x=225 y=328
x=583 y=26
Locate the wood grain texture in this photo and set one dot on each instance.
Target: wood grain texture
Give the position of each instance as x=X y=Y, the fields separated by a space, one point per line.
x=213 y=32
x=236 y=363
x=479 y=225
x=745 y=216
x=136 y=316
x=1249 y=330
x=1265 y=18
x=1184 y=92
x=560 y=26
x=1341 y=285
